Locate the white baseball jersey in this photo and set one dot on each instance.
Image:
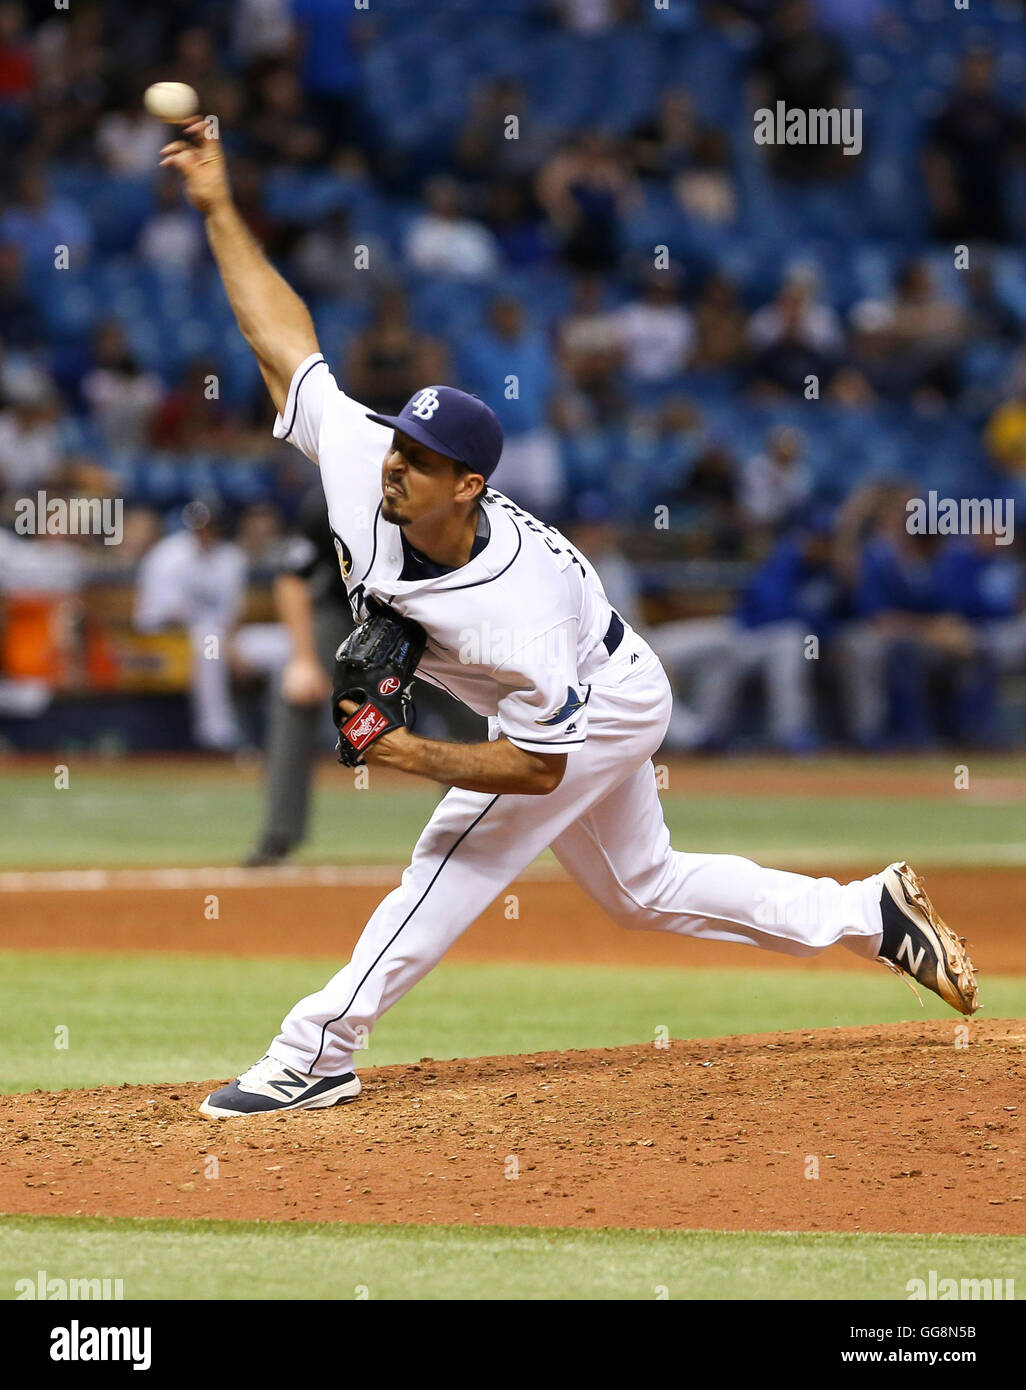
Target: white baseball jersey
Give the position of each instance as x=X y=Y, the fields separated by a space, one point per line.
x=515 y=634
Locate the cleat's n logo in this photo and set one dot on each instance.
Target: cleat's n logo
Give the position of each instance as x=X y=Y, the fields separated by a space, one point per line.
x=905 y=949
x=294 y=1083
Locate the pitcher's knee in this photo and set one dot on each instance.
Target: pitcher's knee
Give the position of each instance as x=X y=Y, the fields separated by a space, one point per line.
x=638 y=916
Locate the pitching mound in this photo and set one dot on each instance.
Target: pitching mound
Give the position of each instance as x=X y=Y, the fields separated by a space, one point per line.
x=877 y=1129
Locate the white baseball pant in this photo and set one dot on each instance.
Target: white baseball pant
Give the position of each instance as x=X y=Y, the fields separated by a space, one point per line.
x=605 y=825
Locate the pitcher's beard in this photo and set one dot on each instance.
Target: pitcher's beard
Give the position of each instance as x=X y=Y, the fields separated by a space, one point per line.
x=390 y=512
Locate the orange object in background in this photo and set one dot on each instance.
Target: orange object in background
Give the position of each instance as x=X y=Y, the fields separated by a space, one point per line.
x=56 y=639
x=41 y=637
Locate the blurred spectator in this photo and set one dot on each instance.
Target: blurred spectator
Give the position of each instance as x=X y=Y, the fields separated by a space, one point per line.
x=38 y=223
x=797 y=313
x=195 y=57
x=330 y=36
x=804 y=67
x=907 y=640
x=30 y=441
x=444 y=242
x=388 y=360
x=664 y=145
x=196 y=579
x=121 y=397
x=675 y=147
x=490 y=148
x=794 y=594
x=1005 y=434
x=985 y=584
x=776 y=483
x=656 y=331
x=989 y=316
x=909 y=342
x=520 y=235
x=510 y=366
x=706 y=191
x=262 y=30
x=966 y=160
x=325 y=259
x=708 y=495
x=278 y=126
x=17 y=68
x=190 y=417
x=172 y=236
x=260 y=535
x=586 y=190
x=73 y=85
x=42 y=564
x=794 y=338
x=248 y=192
x=590 y=350
x=720 y=325
x=141 y=529
x=19 y=322
x=589 y=16
x=129 y=139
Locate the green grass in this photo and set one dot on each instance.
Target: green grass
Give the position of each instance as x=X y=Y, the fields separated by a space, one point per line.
x=222 y=1259
x=192 y=813
x=178 y=1018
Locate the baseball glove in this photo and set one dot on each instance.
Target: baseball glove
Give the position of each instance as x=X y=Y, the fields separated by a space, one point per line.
x=374 y=666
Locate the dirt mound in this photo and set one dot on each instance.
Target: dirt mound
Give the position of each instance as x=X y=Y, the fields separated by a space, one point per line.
x=903 y=1128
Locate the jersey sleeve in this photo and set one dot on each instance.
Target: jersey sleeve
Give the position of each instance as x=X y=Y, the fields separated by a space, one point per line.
x=319 y=417
x=300 y=421
x=545 y=707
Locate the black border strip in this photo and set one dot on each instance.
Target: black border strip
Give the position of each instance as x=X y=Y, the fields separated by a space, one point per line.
x=402 y=924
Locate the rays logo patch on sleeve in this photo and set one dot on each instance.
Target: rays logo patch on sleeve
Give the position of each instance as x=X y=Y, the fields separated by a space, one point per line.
x=570 y=706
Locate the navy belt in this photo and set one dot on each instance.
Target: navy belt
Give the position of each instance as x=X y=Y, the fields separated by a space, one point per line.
x=614 y=633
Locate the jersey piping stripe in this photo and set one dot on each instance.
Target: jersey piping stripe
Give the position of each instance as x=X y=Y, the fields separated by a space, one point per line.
x=448 y=855
x=474 y=583
x=295 y=403
x=545 y=743
x=374 y=552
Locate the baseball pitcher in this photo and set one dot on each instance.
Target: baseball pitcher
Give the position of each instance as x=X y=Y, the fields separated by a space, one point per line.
x=448 y=578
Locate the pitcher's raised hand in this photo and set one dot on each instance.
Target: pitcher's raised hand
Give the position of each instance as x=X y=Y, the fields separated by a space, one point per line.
x=199 y=159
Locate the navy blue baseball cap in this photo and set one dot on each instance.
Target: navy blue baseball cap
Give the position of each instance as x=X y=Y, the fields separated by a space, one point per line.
x=453 y=423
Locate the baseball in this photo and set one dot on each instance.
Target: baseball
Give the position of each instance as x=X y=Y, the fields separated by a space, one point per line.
x=171 y=101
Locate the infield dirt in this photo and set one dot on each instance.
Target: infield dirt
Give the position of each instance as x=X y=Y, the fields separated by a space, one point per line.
x=910 y=1127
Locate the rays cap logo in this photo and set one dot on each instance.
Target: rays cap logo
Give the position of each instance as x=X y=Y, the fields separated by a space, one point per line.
x=453 y=423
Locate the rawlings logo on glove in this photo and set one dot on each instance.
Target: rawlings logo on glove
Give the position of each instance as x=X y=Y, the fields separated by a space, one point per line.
x=374 y=668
